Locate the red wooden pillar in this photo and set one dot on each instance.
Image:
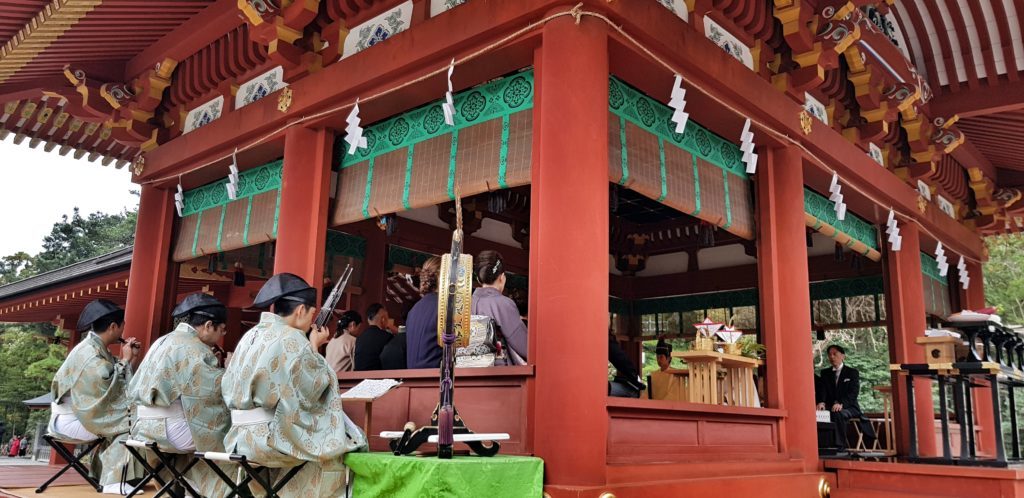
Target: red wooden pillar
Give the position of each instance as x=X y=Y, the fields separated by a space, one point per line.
x=905 y=301
x=973 y=298
x=569 y=254
x=373 y=272
x=302 y=221
x=785 y=300
x=153 y=276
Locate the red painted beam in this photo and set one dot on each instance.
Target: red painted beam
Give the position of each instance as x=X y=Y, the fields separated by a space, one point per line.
x=820 y=268
x=980 y=102
x=187 y=38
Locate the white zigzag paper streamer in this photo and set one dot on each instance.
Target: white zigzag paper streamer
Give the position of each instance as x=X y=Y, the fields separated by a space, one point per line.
x=892 y=229
x=354 y=132
x=747 y=146
x=836 y=196
x=678 y=102
x=179 y=201
x=232 y=184
x=965 y=278
x=940 y=258
x=449 y=103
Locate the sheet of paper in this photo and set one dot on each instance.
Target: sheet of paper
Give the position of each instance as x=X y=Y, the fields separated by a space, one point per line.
x=371 y=389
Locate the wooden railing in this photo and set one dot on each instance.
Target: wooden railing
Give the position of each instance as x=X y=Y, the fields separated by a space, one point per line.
x=488 y=399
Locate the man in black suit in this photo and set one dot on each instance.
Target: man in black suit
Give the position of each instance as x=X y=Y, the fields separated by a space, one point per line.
x=371 y=342
x=840 y=385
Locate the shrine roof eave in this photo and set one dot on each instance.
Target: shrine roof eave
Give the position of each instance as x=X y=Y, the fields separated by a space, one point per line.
x=92 y=267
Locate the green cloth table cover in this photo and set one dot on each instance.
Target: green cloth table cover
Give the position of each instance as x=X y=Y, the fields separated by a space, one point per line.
x=383 y=474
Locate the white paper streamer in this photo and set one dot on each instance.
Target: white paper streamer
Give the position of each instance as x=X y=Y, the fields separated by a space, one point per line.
x=678 y=102
x=747 y=147
x=354 y=132
x=449 y=103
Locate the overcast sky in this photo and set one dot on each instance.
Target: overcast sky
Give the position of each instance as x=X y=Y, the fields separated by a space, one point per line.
x=37 y=187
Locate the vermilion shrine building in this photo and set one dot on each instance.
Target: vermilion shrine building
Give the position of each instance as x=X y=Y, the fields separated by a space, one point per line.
x=567 y=159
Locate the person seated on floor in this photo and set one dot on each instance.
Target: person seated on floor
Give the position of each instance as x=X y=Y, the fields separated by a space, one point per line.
x=839 y=389
x=371 y=342
x=489 y=300
x=664 y=382
x=284 y=400
x=90 y=395
x=392 y=357
x=176 y=390
x=341 y=350
x=627 y=383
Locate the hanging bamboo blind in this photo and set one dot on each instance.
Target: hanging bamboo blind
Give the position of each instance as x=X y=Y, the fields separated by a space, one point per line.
x=852 y=232
x=936 y=288
x=696 y=172
x=416 y=160
x=213 y=223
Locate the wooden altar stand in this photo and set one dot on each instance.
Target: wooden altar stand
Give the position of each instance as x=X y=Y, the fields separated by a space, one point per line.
x=720 y=378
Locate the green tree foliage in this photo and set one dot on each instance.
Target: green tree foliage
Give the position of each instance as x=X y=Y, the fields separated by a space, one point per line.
x=76 y=238
x=71 y=240
x=15 y=267
x=27 y=364
x=1004 y=277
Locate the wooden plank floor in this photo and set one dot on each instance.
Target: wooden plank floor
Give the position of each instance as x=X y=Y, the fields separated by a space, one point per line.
x=25 y=476
x=77 y=491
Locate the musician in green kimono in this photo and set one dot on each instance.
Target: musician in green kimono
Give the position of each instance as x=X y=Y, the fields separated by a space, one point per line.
x=283 y=396
x=177 y=390
x=90 y=394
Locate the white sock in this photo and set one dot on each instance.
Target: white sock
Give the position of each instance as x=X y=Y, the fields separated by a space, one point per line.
x=118 y=488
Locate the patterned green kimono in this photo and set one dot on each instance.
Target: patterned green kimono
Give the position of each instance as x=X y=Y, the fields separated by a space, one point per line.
x=274 y=367
x=180 y=366
x=95 y=385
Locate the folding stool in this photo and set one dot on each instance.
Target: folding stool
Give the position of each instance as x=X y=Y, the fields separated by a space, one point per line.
x=73 y=461
x=252 y=473
x=165 y=461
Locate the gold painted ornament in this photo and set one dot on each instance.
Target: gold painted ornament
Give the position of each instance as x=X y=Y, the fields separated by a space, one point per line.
x=284 y=101
x=806 y=121
x=463 y=296
x=139 y=164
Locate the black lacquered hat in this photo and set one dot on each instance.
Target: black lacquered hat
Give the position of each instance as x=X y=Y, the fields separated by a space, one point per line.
x=287 y=286
x=100 y=308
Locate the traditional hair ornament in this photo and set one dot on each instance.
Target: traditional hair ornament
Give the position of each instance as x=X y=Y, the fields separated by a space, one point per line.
x=497 y=268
